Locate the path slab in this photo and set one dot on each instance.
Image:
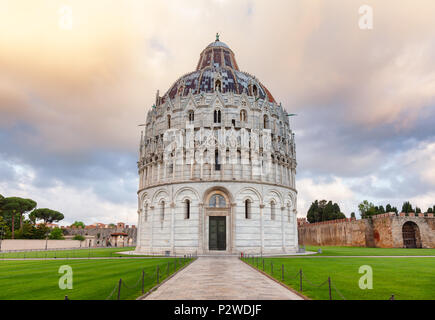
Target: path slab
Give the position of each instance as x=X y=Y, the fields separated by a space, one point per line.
x=221 y=278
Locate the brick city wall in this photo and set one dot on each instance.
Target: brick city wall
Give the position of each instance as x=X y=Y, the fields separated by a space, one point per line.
x=383 y=231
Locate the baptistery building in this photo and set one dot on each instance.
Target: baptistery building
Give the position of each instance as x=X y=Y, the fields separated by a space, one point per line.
x=217 y=165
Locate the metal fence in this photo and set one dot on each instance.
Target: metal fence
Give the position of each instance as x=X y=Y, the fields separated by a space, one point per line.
x=259 y=263
x=148 y=279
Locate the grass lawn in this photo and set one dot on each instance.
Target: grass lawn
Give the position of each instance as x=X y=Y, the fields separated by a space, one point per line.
x=92 y=279
x=73 y=253
x=406 y=278
x=362 y=251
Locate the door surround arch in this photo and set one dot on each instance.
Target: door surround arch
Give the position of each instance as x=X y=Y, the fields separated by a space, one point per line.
x=226 y=211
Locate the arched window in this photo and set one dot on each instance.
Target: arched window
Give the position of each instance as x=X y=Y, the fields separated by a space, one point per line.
x=247 y=209
x=218 y=86
x=181 y=90
x=162 y=210
x=265 y=122
x=169 y=122
x=187 y=213
x=217 y=165
x=217 y=201
x=254 y=90
x=191 y=116
x=243 y=116
x=272 y=210
x=217 y=116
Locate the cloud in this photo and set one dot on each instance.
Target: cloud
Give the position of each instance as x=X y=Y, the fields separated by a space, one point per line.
x=71 y=100
x=336 y=190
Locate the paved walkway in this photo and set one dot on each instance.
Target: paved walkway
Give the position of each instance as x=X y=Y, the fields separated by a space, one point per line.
x=221 y=278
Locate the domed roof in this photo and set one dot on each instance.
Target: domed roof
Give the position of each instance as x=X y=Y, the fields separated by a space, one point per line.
x=218 y=43
x=217 y=62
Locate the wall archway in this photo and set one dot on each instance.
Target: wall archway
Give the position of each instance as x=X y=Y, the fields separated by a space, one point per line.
x=411 y=235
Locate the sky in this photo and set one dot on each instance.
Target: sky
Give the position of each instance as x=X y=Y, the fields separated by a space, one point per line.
x=78 y=76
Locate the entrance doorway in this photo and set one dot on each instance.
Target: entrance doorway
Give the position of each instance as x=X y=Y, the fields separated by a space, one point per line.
x=411 y=235
x=217 y=233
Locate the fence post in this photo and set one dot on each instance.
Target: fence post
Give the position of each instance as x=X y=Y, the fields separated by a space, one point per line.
x=257 y=262
x=329 y=283
x=119 y=289
x=282 y=273
x=175 y=264
x=271 y=268
x=66 y=298
x=300 y=280
x=158 y=274
x=143 y=281
x=167 y=271
x=263 y=264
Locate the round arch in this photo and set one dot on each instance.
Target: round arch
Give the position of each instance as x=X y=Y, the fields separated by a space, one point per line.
x=252 y=190
x=159 y=194
x=411 y=235
x=218 y=190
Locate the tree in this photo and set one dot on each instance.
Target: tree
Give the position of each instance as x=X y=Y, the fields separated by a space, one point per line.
x=41 y=231
x=78 y=224
x=407 y=207
x=4 y=229
x=417 y=210
x=429 y=210
x=47 y=215
x=15 y=205
x=79 y=237
x=324 y=210
x=352 y=215
x=366 y=209
x=56 y=234
x=313 y=212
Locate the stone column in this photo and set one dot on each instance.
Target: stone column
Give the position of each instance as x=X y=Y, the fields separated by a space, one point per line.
x=139 y=229
x=158 y=172
x=283 y=228
x=261 y=228
x=232 y=244
x=201 y=219
x=295 y=226
x=172 y=227
x=152 y=228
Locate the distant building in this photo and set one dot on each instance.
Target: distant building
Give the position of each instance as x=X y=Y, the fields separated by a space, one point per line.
x=49 y=225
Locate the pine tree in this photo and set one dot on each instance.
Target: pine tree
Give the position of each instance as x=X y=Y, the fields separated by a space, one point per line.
x=407 y=207
x=388 y=208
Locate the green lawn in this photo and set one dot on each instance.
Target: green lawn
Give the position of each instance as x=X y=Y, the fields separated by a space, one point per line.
x=362 y=251
x=92 y=279
x=73 y=253
x=406 y=278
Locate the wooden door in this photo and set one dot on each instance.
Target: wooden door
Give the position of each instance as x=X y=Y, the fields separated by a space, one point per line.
x=217 y=233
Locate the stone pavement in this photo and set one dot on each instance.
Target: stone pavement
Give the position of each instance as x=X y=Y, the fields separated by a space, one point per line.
x=221 y=278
